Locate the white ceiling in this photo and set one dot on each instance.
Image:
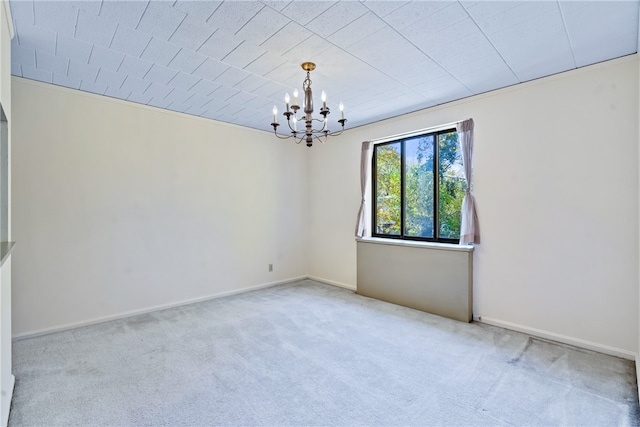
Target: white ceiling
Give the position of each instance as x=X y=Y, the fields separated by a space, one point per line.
x=233 y=60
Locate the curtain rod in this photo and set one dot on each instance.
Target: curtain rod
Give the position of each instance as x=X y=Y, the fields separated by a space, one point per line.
x=414 y=133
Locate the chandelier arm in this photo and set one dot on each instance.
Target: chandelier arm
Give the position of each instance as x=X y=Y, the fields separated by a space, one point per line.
x=319 y=138
x=282 y=137
x=336 y=133
x=293 y=131
x=323 y=128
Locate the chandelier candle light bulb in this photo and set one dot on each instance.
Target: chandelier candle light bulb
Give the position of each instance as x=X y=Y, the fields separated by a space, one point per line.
x=291 y=114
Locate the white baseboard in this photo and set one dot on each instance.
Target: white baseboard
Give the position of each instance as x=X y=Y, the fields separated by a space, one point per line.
x=102 y=319
x=5 y=417
x=577 y=342
x=638 y=374
x=333 y=282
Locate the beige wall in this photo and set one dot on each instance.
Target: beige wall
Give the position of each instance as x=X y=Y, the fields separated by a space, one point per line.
x=556 y=183
x=120 y=207
x=6 y=378
x=5 y=59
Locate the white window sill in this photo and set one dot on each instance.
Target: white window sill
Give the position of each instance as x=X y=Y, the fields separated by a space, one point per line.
x=417 y=244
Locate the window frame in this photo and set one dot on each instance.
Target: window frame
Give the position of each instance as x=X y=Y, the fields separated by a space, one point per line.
x=436 y=179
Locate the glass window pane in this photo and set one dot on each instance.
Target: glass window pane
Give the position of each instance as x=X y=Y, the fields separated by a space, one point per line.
x=451 y=186
x=418 y=214
x=388 y=188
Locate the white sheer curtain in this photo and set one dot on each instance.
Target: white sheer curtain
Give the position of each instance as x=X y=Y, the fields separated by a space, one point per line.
x=362 y=225
x=469 y=230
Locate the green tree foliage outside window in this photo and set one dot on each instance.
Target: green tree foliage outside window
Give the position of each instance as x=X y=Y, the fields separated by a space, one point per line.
x=388 y=189
x=409 y=165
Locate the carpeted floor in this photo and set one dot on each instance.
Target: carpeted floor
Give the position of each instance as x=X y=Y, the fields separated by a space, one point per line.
x=312 y=354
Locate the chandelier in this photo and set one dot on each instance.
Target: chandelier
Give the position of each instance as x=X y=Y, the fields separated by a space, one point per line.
x=309 y=133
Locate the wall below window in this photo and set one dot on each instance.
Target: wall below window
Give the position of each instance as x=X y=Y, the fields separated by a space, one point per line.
x=119 y=207
x=556 y=184
x=435 y=279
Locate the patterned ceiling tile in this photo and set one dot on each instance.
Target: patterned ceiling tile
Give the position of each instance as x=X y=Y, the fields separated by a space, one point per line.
x=178 y=96
x=192 y=32
x=237 y=58
x=160 y=19
x=383 y=8
x=160 y=75
x=51 y=16
x=210 y=69
x=126 y=13
x=94 y=29
x=73 y=49
x=53 y=63
x=35 y=37
x=82 y=71
x=35 y=74
x=134 y=67
x=244 y=54
x=23 y=55
x=135 y=84
x=116 y=92
x=183 y=81
x=110 y=78
x=140 y=98
x=205 y=87
x=262 y=26
x=201 y=9
x=158 y=91
x=219 y=45
x=93 y=87
x=160 y=52
x=66 y=81
x=231 y=16
x=187 y=61
x=130 y=41
x=106 y=58
x=304 y=12
x=336 y=17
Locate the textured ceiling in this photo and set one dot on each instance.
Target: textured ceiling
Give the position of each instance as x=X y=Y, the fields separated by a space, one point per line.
x=233 y=60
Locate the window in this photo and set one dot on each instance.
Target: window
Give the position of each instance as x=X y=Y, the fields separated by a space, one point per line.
x=412 y=198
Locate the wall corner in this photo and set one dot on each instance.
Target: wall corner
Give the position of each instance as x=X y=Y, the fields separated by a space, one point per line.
x=7 y=17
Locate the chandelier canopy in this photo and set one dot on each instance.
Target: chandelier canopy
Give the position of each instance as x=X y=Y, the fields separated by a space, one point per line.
x=291 y=113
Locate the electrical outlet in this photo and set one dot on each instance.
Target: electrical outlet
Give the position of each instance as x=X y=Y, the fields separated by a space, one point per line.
x=270 y=267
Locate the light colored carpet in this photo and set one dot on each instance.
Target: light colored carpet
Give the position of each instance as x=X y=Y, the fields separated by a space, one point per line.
x=312 y=354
